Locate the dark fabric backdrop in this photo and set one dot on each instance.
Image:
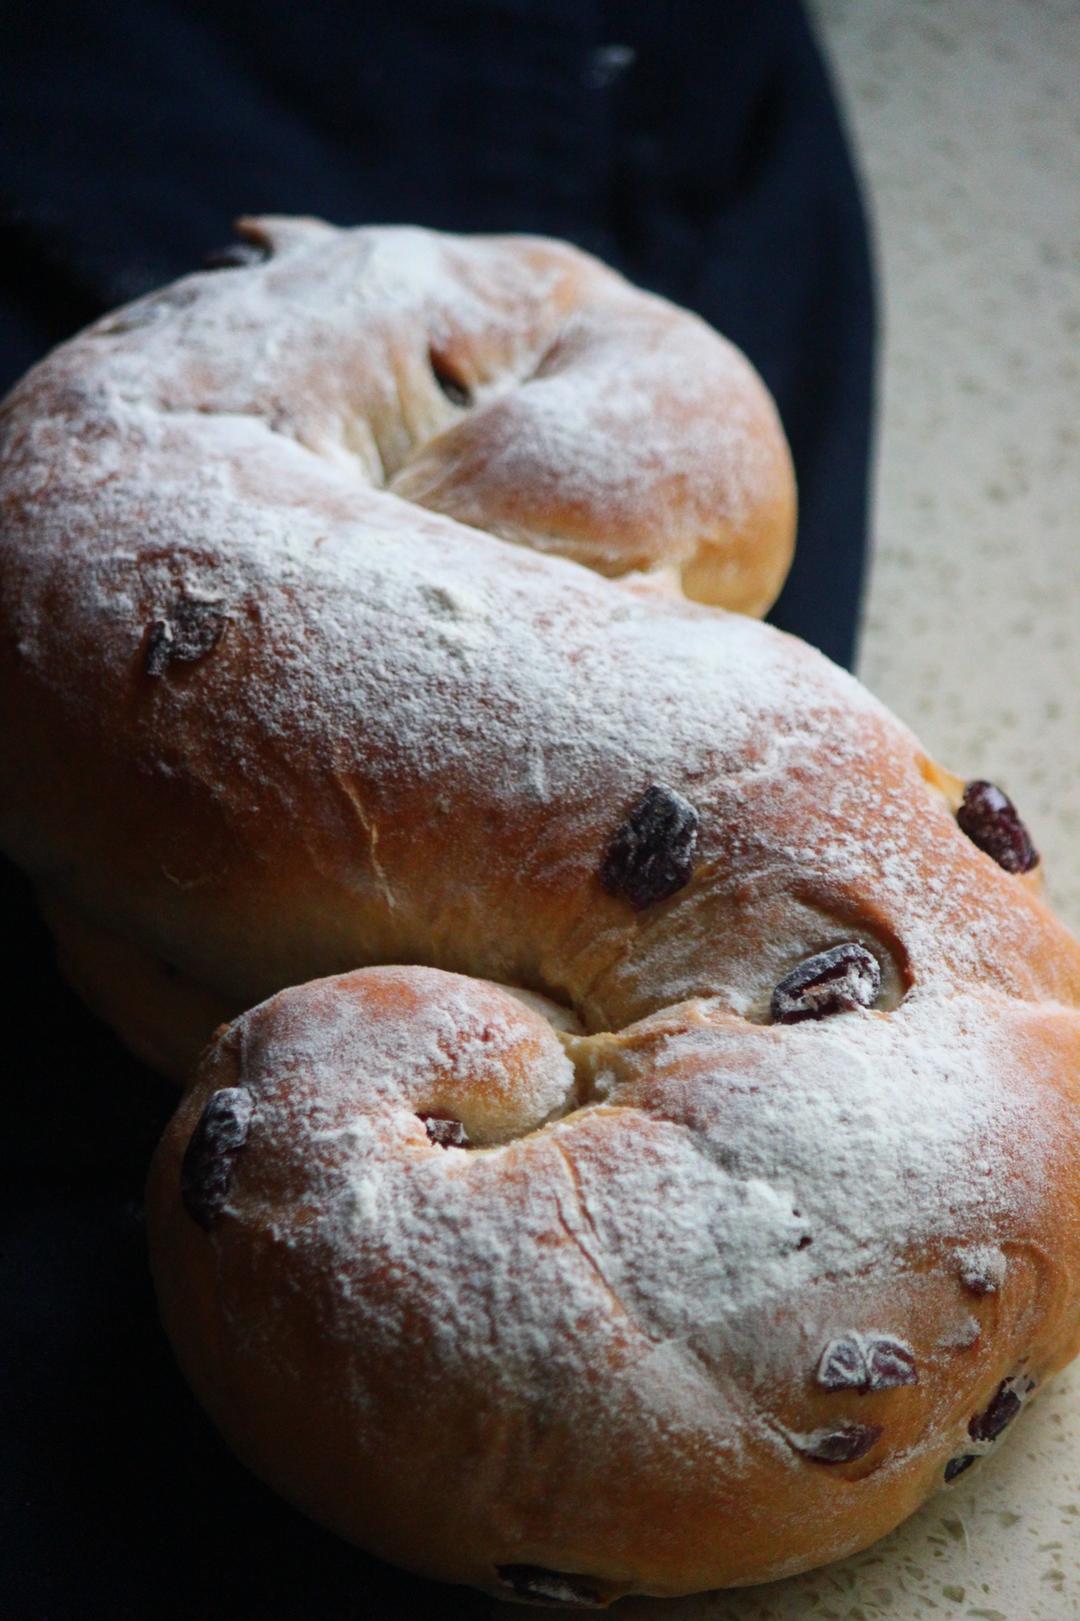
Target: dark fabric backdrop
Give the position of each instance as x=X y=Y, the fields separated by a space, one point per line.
x=693 y=143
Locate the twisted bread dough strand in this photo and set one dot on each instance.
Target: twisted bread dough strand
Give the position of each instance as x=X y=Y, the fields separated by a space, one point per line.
x=706 y=1255
x=220 y=461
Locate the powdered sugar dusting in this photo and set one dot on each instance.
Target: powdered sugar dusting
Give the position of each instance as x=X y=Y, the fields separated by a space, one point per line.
x=692 y=1235
x=367 y=636
x=407 y=741
x=417 y=676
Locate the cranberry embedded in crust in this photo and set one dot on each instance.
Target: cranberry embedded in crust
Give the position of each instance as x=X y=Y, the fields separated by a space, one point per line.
x=551 y=1587
x=866 y=1363
x=452 y=386
x=842 y=1445
x=209 y=1159
x=890 y=1363
x=989 y=819
x=838 y=980
x=983 y=1269
x=977 y=1283
x=191 y=629
x=843 y=1364
x=652 y=854
x=445 y=1132
x=956 y=1466
x=999 y=1412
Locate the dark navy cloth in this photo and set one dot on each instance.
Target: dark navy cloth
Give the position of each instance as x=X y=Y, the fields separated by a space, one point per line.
x=693 y=144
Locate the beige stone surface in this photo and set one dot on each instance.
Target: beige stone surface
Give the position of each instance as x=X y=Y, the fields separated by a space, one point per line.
x=966 y=117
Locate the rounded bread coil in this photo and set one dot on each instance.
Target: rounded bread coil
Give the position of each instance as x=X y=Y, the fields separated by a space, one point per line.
x=209 y=506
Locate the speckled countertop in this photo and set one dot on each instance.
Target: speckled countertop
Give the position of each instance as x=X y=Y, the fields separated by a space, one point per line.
x=966 y=118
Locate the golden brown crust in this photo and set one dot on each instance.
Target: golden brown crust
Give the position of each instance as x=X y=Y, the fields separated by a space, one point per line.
x=705 y=1296
x=171 y=461
x=591 y=1339
x=163 y=1017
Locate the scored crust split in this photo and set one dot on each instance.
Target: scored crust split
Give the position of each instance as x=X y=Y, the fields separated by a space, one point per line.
x=664 y=1169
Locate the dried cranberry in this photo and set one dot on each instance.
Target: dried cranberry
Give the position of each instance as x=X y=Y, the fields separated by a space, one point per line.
x=843 y=1364
x=454 y=389
x=445 y=1132
x=236 y=256
x=979 y=1283
x=866 y=1364
x=191 y=629
x=552 y=1587
x=890 y=1363
x=842 y=1445
x=956 y=1466
x=989 y=819
x=834 y=981
x=999 y=1412
x=652 y=854
x=207 y=1167
x=982 y=1269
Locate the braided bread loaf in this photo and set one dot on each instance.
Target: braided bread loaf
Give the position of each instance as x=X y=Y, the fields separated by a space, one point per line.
x=707 y=1190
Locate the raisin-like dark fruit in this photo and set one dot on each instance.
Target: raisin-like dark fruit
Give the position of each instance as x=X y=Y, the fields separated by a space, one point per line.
x=444 y=1132
x=978 y=1283
x=843 y=1364
x=999 y=1412
x=982 y=1269
x=652 y=854
x=236 y=256
x=207 y=1167
x=191 y=629
x=452 y=386
x=838 y=980
x=890 y=1363
x=842 y=1445
x=956 y=1466
x=867 y=1363
x=989 y=819
x=552 y=1587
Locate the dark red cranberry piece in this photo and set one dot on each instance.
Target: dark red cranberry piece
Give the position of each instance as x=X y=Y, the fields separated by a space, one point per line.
x=552 y=1587
x=444 y=1132
x=210 y=1157
x=866 y=1364
x=1000 y=1411
x=890 y=1363
x=189 y=631
x=989 y=819
x=838 y=980
x=983 y=1270
x=979 y=1283
x=842 y=1445
x=452 y=386
x=843 y=1364
x=236 y=256
x=956 y=1466
x=652 y=854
